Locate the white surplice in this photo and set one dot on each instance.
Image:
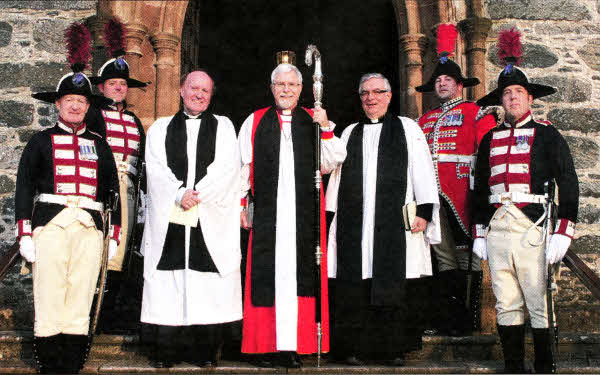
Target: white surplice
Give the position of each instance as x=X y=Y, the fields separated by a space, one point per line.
x=421 y=187
x=286 y=295
x=188 y=297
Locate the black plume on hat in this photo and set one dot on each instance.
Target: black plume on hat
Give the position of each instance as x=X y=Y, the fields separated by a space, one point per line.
x=510 y=51
x=116 y=67
x=446 y=43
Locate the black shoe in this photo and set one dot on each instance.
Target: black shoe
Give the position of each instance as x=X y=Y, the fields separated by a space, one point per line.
x=161 y=363
x=396 y=362
x=209 y=363
x=262 y=360
x=290 y=360
x=353 y=361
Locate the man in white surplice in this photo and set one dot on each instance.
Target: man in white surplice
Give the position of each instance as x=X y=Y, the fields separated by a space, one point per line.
x=277 y=150
x=373 y=258
x=191 y=239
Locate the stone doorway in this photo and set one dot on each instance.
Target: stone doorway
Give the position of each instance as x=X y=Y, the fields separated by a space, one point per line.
x=236 y=42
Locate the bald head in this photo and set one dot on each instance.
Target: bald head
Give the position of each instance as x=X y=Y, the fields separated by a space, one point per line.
x=196 y=91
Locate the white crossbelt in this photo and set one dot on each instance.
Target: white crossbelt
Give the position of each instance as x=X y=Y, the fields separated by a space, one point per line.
x=125 y=167
x=516 y=197
x=450 y=158
x=73 y=201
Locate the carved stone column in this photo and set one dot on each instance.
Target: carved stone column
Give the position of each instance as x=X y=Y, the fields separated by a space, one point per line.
x=134 y=37
x=167 y=77
x=475 y=30
x=413 y=45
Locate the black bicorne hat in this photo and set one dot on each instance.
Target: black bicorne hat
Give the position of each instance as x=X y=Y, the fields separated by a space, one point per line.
x=510 y=52
x=446 y=41
x=116 y=67
x=78 y=40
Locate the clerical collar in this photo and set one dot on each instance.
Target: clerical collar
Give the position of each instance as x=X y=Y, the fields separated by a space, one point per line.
x=190 y=117
x=285 y=112
x=368 y=121
x=70 y=127
x=450 y=103
x=524 y=119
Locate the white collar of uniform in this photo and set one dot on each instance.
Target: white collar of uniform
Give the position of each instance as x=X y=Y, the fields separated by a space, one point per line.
x=525 y=119
x=70 y=130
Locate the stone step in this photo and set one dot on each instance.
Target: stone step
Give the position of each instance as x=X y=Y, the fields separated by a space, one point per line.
x=18 y=345
x=440 y=354
x=138 y=366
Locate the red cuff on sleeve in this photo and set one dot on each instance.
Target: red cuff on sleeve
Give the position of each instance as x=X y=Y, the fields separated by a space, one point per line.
x=115 y=233
x=478 y=231
x=243 y=202
x=565 y=227
x=23 y=228
x=326 y=135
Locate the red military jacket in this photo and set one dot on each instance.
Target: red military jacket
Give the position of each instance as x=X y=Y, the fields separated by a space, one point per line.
x=453 y=133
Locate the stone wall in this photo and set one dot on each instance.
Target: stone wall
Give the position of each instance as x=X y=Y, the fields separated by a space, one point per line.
x=561 y=48
x=32 y=59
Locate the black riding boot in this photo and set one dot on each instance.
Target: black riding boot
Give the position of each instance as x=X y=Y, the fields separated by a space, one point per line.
x=513 y=348
x=472 y=322
x=545 y=363
x=46 y=351
x=452 y=291
x=75 y=351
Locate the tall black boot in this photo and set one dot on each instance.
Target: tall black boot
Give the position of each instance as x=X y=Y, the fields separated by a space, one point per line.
x=46 y=351
x=452 y=291
x=543 y=339
x=513 y=347
x=472 y=321
x=110 y=315
x=76 y=348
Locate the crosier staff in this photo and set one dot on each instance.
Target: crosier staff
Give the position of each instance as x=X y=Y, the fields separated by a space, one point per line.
x=311 y=51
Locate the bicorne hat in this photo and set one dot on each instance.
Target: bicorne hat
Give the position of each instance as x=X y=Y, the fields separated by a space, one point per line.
x=509 y=53
x=78 y=38
x=446 y=43
x=116 y=67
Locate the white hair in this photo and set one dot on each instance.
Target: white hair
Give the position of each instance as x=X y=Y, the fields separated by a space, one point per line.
x=284 y=68
x=368 y=76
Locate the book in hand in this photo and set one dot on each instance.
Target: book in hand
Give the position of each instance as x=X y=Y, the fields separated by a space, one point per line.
x=184 y=217
x=409 y=213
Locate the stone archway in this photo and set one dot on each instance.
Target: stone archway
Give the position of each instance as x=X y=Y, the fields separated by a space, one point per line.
x=155 y=33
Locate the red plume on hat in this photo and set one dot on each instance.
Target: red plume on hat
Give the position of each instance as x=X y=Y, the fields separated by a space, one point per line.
x=446 y=40
x=78 y=38
x=114 y=37
x=510 y=49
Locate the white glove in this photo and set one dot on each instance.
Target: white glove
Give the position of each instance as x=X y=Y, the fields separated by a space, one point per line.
x=559 y=244
x=480 y=248
x=27 y=248
x=112 y=248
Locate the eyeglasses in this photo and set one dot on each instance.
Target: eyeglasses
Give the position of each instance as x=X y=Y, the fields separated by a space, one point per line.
x=282 y=85
x=364 y=94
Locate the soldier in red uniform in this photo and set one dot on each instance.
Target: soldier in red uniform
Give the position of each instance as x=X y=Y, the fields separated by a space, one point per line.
x=453 y=131
x=514 y=162
x=66 y=175
x=125 y=135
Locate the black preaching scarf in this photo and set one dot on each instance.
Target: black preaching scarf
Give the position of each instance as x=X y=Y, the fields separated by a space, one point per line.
x=173 y=255
x=389 y=247
x=266 y=177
